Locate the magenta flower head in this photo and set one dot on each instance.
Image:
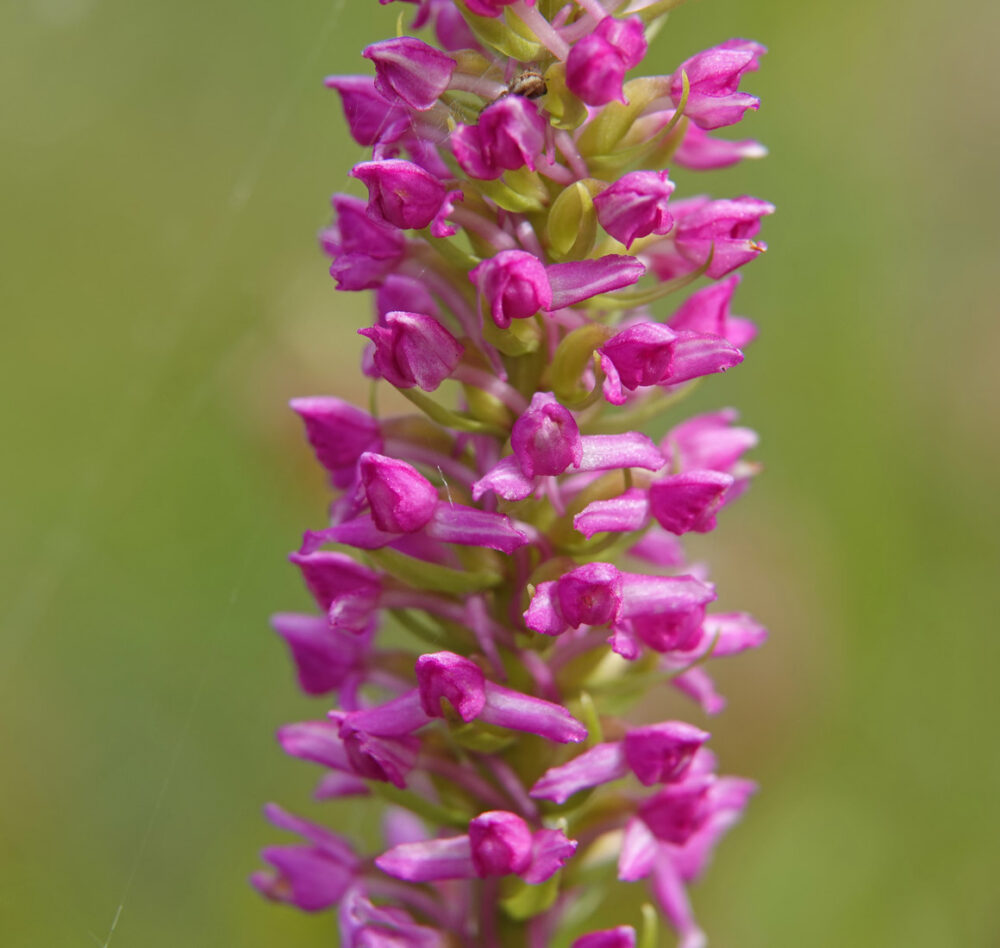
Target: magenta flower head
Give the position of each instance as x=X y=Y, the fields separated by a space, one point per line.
x=636 y=206
x=413 y=349
x=402 y=500
x=597 y=63
x=590 y=595
x=716 y=235
x=501 y=844
x=510 y=135
x=662 y=753
x=514 y=285
x=480 y=647
x=409 y=71
x=653 y=354
x=400 y=192
x=546 y=438
x=714 y=99
x=450 y=677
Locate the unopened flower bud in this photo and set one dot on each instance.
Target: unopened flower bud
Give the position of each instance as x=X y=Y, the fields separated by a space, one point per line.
x=595 y=70
x=413 y=349
x=400 y=192
x=686 y=502
x=714 y=99
x=597 y=63
x=509 y=135
x=402 y=500
x=501 y=844
x=546 y=438
x=408 y=69
x=514 y=284
x=636 y=206
x=662 y=753
x=458 y=680
x=678 y=811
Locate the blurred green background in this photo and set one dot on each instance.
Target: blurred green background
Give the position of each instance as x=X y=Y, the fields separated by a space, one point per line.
x=163 y=169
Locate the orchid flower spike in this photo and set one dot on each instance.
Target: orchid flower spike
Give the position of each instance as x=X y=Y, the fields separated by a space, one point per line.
x=478 y=644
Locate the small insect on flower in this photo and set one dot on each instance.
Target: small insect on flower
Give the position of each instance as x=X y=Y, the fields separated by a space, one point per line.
x=530 y=83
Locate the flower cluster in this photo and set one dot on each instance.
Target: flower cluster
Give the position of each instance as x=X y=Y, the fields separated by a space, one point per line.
x=517 y=227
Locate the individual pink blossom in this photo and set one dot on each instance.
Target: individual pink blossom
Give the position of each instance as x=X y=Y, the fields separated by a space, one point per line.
x=498 y=844
x=714 y=99
x=412 y=349
x=311 y=877
x=400 y=498
x=707 y=311
x=546 y=438
x=510 y=134
x=636 y=206
x=409 y=71
x=364 y=251
x=597 y=63
x=655 y=754
x=514 y=285
x=715 y=235
x=653 y=354
x=400 y=192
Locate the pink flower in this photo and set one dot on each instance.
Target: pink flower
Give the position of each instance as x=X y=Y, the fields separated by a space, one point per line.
x=636 y=206
x=413 y=349
x=546 y=438
x=718 y=234
x=597 y=63
x=514 y=284
x=653 y=354
x=400 y=193
x=410 y=71
x=714 y=99
x=510 y=135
